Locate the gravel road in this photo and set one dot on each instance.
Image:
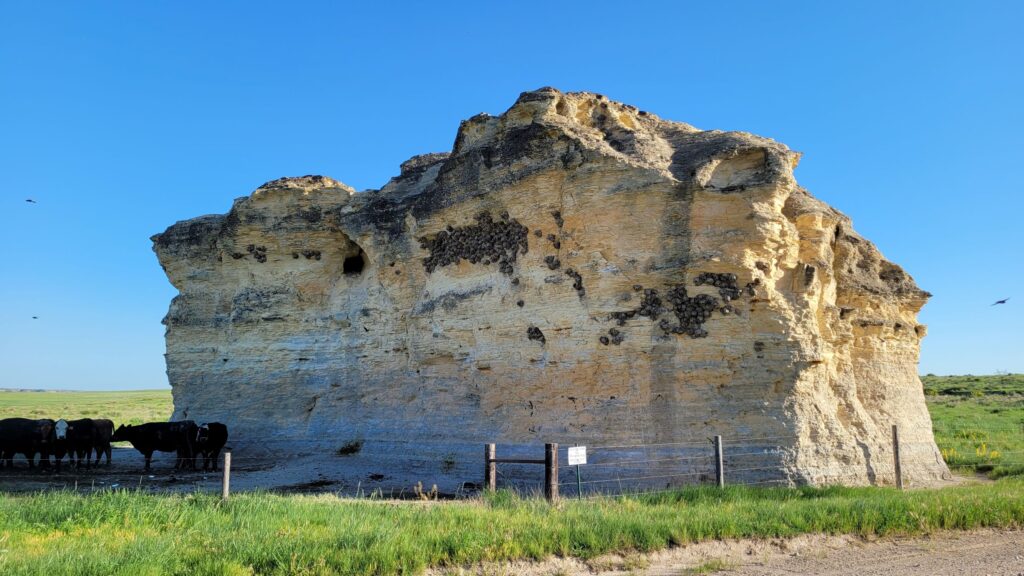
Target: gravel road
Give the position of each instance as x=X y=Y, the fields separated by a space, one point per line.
x=978 y=553
x=950 y=553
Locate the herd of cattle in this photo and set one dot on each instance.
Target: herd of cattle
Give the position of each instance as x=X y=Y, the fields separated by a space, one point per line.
x=80 y=439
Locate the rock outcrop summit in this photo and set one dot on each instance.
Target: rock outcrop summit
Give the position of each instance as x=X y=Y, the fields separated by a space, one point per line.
x=575 y=270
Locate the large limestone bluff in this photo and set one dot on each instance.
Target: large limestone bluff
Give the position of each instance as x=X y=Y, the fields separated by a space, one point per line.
x=574 y=271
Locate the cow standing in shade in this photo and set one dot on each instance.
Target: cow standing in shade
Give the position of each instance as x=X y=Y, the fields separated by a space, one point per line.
x=177 y=437
x=28 y=437
x=103 y=430
x=210 y=439
x=74 y=438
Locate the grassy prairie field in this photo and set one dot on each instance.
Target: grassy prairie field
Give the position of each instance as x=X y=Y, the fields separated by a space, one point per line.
x=979 y=421
x=128 y=407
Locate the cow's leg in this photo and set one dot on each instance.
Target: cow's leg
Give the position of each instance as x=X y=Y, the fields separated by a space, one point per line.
x=149 y=457
x=107 y=449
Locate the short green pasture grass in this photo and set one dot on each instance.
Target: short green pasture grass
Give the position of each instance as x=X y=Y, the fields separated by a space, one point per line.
x=123 y=407
x=979 y=421
x=129 y=533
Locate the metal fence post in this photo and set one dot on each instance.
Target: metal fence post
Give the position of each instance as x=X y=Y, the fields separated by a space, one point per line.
x=490 y=468
x=225 y=490
x=896 y=456
x=551 y=472
x=719 y=463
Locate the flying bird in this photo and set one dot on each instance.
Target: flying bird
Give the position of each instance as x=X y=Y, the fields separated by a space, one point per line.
x=1003 y=301
x=35 y=317
x=30 y=201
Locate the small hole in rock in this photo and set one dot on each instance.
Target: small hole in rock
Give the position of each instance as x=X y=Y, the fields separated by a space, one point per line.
x=354 y=264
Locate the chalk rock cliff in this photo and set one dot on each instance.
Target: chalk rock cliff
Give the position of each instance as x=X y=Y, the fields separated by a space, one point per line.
x=575 y=270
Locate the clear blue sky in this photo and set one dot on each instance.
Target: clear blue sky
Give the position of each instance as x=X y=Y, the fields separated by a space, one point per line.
x=120 y=118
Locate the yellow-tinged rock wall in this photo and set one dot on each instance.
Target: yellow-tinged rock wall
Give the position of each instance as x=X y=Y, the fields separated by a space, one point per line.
x=576 y=271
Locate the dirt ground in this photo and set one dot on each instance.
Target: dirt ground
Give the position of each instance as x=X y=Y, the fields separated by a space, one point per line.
x=127 y=470
x=287 y=474
x=978 y=553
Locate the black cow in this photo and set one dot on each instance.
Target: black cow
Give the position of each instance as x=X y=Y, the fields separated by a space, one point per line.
x=28 y=437
x=74 y=438
x=103 y=429
x=161 y=436
x=210 y=439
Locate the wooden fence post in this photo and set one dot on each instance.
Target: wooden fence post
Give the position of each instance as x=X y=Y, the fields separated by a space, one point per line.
x=896 y=456
x=490 y=468
x=225 y=489
x=551 y=472
x=719 y=463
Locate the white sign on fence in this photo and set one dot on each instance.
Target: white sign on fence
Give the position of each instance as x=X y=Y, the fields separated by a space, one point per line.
x=577 y=455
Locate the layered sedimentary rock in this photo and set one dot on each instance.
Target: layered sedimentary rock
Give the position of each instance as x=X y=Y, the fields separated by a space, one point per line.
x=575 y=270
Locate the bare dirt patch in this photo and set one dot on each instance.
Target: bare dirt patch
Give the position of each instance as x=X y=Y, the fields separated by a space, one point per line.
x=983 y=552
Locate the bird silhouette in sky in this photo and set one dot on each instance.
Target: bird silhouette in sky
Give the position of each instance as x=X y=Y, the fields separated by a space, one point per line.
x=35 y=317
x=30 y=201
x=1003 y=301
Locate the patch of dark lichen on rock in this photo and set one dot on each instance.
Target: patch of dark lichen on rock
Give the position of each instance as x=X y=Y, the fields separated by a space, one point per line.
x=486 y=242
x=534 y=333
x=449 y=300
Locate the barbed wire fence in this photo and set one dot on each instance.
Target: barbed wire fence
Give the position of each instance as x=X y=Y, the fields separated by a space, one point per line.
x=611 y=469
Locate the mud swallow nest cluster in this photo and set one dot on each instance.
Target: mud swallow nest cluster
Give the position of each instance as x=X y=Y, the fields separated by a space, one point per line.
x=577 y=282
x=690 y=312
x=726 y=284
x=258 y=252
x=486 y=242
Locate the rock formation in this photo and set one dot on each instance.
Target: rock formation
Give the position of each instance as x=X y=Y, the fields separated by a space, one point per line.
x=575 y=270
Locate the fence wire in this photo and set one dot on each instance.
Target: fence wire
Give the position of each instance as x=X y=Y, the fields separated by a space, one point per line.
x=371 y=466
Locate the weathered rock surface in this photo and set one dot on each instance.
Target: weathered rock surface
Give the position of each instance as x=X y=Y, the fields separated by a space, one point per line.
x=574 y=271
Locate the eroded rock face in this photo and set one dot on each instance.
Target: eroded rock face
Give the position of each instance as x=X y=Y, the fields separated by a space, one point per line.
x=574 y=271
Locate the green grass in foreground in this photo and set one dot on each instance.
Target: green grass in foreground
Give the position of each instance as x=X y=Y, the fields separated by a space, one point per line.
x=133 y=533
x=128 y=407
x=979 y=421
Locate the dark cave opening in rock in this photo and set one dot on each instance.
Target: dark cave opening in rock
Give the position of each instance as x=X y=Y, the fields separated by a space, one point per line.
x=353 y=265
